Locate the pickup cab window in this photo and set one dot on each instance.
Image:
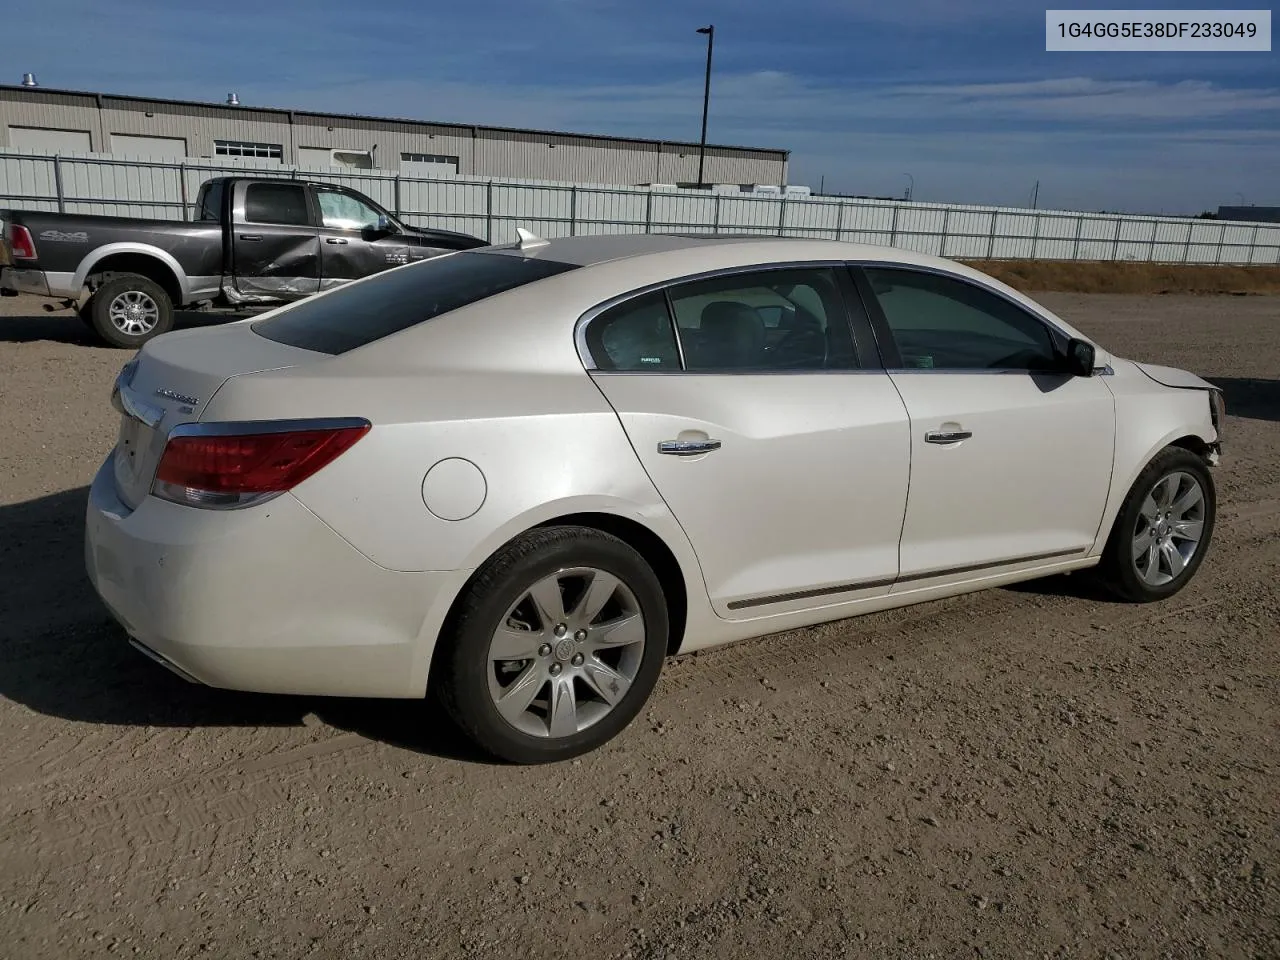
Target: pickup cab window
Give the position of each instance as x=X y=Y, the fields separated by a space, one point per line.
x=276 y=203
x=345 y=212
x=210 y=202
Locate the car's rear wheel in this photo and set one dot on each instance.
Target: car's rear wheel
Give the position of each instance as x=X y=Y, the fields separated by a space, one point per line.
x=130 y=309
x=556 y=644
x=1163 y=529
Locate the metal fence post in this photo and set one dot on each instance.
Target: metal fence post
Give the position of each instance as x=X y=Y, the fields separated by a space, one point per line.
x=991 y=239
x=397 y=189
x=57 y=182
x=1222 y=238
x=1186 y=247
x=648 y=212
x=488 y=211
x=573 y=210
x=893 y=227
x=1075 y=245
x=1151 y=248
x=1035 y=235
x=946 y=223
x=182 y=190
x=715 y=225
x=782 y=216
x=1253 y=242
x=840 y=220
x=1115 y=244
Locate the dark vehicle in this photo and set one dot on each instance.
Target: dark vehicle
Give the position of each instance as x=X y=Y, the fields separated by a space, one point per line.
x=255 y=242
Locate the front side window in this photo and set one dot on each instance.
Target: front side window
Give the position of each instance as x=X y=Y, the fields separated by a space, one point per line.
x=940 y=322
x=789 y=319
x=284 y=203
x=345 y=212
x=389 y=302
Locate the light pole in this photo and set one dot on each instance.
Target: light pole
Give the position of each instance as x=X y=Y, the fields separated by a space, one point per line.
x=710 y=31
x=911 y=185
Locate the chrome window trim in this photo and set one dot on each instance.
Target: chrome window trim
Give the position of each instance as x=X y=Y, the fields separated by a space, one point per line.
x=589 y=363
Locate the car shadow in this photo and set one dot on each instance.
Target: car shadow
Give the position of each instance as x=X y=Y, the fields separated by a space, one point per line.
x=1079 y=585
x=62 y=655
x=1250 y=397
x=63 y=326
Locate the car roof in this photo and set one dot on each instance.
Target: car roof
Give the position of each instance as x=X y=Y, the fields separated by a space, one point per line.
x=585 y=251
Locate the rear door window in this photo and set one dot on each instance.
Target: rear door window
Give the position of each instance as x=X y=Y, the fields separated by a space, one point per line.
x=284 y=203
x=389 y=302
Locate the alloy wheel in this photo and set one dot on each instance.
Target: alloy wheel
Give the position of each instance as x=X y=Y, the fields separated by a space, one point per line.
x=566 y=652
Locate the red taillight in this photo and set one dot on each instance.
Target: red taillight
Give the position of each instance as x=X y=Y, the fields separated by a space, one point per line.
x=20 y=243
x=239 y=469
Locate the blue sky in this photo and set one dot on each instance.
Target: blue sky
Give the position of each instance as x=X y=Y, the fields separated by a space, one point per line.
x=961 y=96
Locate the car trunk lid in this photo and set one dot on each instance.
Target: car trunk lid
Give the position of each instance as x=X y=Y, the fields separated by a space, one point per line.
x=171 y=381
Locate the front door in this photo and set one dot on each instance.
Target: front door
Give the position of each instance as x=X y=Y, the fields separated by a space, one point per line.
x=1010 y=455
x=354 y=245
x=275 y=247
x=785 y=463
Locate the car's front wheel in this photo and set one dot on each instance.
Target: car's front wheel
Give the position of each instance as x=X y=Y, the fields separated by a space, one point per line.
x=1163 y=529
x=556 y=644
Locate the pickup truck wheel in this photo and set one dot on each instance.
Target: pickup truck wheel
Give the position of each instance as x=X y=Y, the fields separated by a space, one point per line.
x=129 y=309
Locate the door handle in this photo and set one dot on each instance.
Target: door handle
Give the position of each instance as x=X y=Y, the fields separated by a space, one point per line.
x=688 y=448
x=250 y=236
x=947 y=436
x=335 y=240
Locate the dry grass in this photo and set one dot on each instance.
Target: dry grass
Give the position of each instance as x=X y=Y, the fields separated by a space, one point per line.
x=1136 y=278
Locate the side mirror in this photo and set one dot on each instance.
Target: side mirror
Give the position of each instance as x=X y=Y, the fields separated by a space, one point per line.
x=1080 y=358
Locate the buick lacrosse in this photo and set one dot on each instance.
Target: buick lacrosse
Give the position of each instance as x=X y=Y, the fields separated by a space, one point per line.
x=518 y=477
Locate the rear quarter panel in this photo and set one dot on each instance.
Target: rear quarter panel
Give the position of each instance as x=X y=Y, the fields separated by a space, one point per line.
x=71 y=243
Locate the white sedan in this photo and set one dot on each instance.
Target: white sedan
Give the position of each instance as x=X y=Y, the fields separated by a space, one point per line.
x=519 y=477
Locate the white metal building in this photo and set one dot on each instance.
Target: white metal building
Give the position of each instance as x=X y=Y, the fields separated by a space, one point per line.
x=64 y=121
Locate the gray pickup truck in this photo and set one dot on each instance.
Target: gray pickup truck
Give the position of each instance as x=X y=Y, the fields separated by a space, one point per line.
x=254 y=243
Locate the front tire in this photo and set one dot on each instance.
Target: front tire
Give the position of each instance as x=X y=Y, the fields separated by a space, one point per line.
x=1163 y=529
x=556 y=644
x=130 y=309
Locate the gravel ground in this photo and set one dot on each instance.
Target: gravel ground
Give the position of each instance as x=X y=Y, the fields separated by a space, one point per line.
x=1026 y=772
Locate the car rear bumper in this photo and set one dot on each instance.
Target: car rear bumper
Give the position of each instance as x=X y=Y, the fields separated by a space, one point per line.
x=15 y=280
x=266 y=599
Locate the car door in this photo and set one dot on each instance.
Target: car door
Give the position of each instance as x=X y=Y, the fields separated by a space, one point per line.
x=274 y=243
x=1011 y=456
x=786 y=463
x=357 y=239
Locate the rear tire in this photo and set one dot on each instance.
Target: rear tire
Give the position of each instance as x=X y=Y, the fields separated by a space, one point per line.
x=555 y=645
x=130 y=309
x=1163 y=530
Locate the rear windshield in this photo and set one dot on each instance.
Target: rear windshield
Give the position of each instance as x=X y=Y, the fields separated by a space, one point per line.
x=398 y=299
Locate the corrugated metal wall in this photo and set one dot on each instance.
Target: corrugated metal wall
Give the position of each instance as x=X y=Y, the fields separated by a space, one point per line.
x=492 y=209
x=481 y=151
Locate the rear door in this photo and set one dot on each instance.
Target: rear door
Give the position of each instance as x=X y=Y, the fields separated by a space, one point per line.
x=1010 y=455
x=275 y=242
x=353 y=245
x=785 y=459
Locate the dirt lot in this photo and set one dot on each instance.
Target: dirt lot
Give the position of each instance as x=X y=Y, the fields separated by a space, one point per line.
x=1021 y=773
